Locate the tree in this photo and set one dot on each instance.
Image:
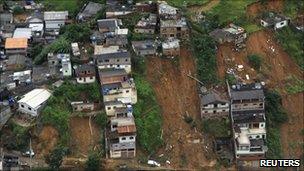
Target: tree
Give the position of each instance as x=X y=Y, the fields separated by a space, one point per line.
x=255 y=61
x=56 y=157
x=18 y=10
x=92 y=164
x=101 y=120
x=76 y=32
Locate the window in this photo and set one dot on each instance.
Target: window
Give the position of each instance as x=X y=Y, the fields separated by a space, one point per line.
x=22 y=106
x=223 y=110
x=257 y=136
x=29 y=108
x=127 y=91
x=282 y=23
x=206 y=111
x=117 y=60
x=261 y=104
x=107 y=60
x=109 y=108
x=91 y=78
x=131 y=138
x=123 y=138
x=80 y=78
x=66 y=71
x=245 y=104
x=214 y=111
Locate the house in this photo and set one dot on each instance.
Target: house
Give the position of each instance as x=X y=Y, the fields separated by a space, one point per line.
x=54 y=20
x=6 y=18
x=167 y=12
x=33 y=102
x=75 y=49
x=118 y=10
x=121 y=112
x=117 y=60
x=100 y=49
x=247 y=112
x=60 y=63
x=22 y=77
x=98 y=38
x=111 y=106
x=171 y=47
x=214 y=106
x=108 y=25
x=41 y=74
x=122 y=91
x=23 y=33
x=144 y=48
x=232 y=33
x=6 y=31
x=85 y=74
x=110 y=76
x=274 y=21
x=88 y=11
x=16 y=46
x=120 y=40
x=174 y=28
x=121 y=138
x=7 y=81
x=149 y=6
x=36 y=23
x=17 y=62
x=84 y=106
x=5 y=114
x=146 y=25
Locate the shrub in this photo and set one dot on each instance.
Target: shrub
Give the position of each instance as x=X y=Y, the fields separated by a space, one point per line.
x=275 y=116
x=217 y=127
x=92 y=164
x=204 y=51
x=255 y=61
x=101 y=119
x=56 y=157
x=147 y=116
x=18 y=10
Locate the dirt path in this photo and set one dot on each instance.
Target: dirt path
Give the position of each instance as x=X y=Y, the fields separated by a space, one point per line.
x=177 y=96
x=82 y=141
x=277 y=64
x=292 y=132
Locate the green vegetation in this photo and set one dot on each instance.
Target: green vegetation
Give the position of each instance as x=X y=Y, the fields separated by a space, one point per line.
x=293 y=43
x=56 y=157
x=18 y=10
x=181 y=3
x=70 y=33
x=291 y=8
x=231 y=79
x=217 y=127
x=204 y=51
x=230 y=11
x=147 y=116
x=57 y=111
x=251 y=27
x=60 y=45
x=275 y=116
x=101 y=119
x=93 y=162
x=76 y=32
x=131 y=20
x=60 y=5
x=255 y=61
x=294 y=85
x=19 y=139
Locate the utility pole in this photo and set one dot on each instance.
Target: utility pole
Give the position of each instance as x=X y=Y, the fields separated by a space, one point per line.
x=31 y=154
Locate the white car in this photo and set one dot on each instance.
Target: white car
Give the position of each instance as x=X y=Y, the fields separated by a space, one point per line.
x=29 y=153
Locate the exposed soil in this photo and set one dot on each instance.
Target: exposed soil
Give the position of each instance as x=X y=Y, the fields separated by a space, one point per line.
x=178 y=96
x=277 y=64
x=277 y=67
x=46 y=141
x=292 y=137
x=199 y=9
x=83 y=138
x=257 y=8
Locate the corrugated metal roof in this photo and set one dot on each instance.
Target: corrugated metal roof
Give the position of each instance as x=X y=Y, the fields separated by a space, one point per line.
x=23 y=33
x=56 y=15
x=35 y=97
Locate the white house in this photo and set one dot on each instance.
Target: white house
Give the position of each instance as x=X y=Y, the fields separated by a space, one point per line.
x=85 y=74
x=55 y=19
x=33 y=101
x=274 y=20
